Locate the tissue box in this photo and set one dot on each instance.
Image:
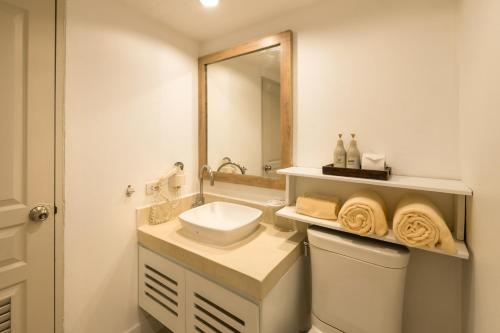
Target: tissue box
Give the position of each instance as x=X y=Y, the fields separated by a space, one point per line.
x=371 y=161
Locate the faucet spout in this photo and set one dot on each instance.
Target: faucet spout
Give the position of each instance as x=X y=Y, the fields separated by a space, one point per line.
x=200 y=198
x=203 y=169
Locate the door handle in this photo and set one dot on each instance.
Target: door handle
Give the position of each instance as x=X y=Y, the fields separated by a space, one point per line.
x=39 y=213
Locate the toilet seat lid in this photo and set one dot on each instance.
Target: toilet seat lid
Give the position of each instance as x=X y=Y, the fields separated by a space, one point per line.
x=357 y=247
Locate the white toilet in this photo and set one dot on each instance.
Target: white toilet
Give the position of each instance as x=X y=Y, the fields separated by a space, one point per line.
x=357 y=283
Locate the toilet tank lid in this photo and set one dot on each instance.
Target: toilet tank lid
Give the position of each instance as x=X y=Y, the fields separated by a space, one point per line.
x=357 y=247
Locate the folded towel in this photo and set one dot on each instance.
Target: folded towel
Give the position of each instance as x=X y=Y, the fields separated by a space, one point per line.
x=364 y=214
x=318 y=205
x=418 y=222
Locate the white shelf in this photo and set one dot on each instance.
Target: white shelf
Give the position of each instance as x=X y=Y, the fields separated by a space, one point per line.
x=290 y=213
x=449 y=186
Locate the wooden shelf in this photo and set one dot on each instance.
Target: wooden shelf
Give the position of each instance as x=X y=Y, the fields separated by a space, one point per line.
x=290 y=213
x=449 y=186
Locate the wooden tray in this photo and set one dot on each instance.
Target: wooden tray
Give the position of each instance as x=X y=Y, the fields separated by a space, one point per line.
x=357 y=173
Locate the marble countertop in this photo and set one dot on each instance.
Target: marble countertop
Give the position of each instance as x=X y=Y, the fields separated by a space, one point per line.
x=251 y=267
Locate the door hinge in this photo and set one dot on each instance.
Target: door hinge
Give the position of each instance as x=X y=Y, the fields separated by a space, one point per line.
x=55 y=209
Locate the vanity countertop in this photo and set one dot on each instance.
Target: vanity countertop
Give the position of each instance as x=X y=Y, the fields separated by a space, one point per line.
x=252 y=266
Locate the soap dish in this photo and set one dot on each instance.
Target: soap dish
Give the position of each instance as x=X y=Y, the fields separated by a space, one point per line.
x=357 y=173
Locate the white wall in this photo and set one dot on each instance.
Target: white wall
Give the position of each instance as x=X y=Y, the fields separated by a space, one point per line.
x=386 y=70
x=131 y=112
x=480 y=142
x=234 y=119
x=235 y=104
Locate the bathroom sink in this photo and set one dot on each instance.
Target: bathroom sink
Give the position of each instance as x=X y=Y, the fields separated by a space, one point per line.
x=220 y=223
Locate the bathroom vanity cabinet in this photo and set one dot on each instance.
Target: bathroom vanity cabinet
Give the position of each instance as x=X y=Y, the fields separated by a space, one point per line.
x=186 y=301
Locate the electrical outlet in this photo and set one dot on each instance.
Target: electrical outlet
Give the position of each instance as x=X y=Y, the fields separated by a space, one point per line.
x=151 y=188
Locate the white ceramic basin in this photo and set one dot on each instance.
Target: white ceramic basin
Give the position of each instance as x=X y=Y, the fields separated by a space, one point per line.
x=220 y=223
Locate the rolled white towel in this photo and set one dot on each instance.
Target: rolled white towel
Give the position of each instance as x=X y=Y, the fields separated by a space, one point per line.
x=364 y=214
x=418 y=222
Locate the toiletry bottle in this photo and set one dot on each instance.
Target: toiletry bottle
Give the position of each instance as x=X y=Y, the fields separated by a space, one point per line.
x=353 y=156
x=339 y=154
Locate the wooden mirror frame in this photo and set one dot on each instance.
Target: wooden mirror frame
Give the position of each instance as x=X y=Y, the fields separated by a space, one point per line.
x=283 y=39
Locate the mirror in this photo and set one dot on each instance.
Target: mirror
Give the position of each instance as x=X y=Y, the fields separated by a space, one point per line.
x=245 y=111
x=243 y=118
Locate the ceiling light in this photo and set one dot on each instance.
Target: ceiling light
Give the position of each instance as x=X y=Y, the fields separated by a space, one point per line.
x=209 y=3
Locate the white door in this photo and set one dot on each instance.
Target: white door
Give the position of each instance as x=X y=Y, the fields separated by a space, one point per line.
x=271 y=123
x=27 y=29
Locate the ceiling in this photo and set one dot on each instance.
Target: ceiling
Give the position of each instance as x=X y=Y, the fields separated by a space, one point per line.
x=193 y=20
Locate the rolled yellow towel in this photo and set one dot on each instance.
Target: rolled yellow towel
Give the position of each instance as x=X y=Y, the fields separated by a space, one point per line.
x=318 y=205
x=418 y=222
x=364 y=214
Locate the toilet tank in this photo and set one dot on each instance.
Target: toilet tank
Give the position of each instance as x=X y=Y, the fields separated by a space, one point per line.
x=357 y=283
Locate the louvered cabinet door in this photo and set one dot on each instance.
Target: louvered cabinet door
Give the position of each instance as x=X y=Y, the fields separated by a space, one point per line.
x=211 y=308
x=162 y=290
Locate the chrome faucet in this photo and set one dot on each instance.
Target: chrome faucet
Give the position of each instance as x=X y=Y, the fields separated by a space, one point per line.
x=242 y=168
x=200 y=199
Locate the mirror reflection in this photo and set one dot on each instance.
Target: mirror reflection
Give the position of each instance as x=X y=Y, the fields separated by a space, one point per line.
x=243 y=114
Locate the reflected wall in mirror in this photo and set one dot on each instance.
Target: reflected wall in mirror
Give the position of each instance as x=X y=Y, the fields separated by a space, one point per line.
x=245 y=111
x=243 y=114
